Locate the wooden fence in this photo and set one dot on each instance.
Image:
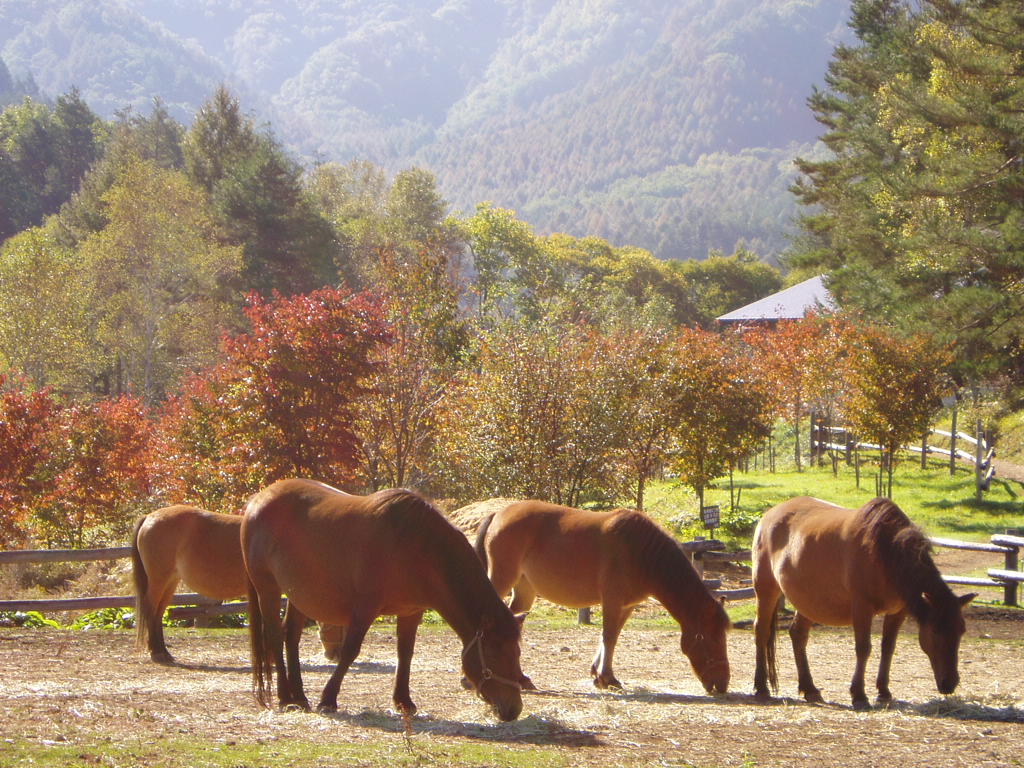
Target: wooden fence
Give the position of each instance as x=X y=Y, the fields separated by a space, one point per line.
x=828 y=438
x=188 y=605
x=702 y=553
x=1009 y=577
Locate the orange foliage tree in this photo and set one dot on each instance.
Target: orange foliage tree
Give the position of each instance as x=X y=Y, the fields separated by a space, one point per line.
x=532 y=419
x=98 y=473
x=803 y=361
x=25 y=421
x=897 y=386
x=283 y=402
x=721 y=408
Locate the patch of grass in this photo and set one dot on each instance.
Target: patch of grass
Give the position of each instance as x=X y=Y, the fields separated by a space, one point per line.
x=943 y=505
x=202 y=753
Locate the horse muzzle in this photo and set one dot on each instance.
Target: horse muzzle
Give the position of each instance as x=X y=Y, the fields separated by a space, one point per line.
x=507 y=711
x=716 y=680
x=947 y=685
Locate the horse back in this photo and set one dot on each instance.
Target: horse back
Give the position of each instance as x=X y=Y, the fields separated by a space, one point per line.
x=198 y=547
x=333 y=553
x=817 y=554
x=565 y=553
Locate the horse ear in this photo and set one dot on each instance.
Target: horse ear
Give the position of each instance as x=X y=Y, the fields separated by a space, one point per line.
x=965 y=599
x=521 y=617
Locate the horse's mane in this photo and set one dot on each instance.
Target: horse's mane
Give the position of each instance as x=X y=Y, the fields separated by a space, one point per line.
x=904 y=552
x=657 y=552
x=417 y=521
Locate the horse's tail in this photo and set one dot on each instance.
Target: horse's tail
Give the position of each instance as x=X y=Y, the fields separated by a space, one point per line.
x=262 y=668
x=481 y=539
x=140 y=579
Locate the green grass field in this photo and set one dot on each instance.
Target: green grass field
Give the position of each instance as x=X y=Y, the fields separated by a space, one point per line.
x=941 y=504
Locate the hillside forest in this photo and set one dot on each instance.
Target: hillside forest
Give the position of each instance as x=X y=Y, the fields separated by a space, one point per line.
x=190 y=314
x=663 y=124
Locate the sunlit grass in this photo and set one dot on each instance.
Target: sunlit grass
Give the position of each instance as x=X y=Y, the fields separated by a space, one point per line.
x=943 y=505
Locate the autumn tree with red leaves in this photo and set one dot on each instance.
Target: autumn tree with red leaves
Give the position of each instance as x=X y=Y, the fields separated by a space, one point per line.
x=803 y=360
x=25 y=421
x=196 y=456
x=99 y=474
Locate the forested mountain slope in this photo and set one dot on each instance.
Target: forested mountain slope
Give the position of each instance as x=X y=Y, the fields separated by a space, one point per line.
x=668 y=124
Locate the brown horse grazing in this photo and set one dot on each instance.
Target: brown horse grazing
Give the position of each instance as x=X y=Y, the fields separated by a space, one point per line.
x=842 y=566
x=203 y=549
x=345 y=560
x=182 y=543
x=579 y=558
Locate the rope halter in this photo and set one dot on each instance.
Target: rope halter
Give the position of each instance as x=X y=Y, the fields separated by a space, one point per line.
x=486 y=673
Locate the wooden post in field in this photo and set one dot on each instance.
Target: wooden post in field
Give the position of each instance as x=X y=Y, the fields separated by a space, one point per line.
x=952 y=444
x=1011 y=564
x=978 y=458
x=924 y=451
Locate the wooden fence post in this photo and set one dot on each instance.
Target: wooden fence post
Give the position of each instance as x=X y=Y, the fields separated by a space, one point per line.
x=952 y=444
x=978 y=457
x=1010 y=590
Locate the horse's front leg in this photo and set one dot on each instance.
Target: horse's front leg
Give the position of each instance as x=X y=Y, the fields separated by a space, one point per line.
x=862 y=645
x=799 y=630
x=294 y=623
x=614 y=618
x=354 y=634
x=890 y=630
x=406 y=626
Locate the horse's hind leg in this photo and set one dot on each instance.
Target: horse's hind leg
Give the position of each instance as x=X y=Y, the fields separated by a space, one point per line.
x=798 y=632
x=294 y=623
x=765 y=626
x=406 y=630
x=159 y=598
x=890 y=629
x=614 y=618
x=354 y=634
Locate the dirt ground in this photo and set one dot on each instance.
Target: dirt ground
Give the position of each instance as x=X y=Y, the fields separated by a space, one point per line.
x=63 y=687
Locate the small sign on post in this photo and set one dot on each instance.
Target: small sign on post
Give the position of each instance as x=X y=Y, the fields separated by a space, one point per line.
x=711 y=515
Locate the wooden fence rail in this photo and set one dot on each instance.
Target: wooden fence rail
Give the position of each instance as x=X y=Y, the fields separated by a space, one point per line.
x=187 y=605
x=701 y=552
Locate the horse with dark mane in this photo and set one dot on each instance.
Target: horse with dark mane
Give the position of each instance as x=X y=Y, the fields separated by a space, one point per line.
x=579 y=558
x=345 y=560
x=839 y=567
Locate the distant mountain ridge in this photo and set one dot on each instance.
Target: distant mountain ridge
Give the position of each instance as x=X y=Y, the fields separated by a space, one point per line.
x=668 y=124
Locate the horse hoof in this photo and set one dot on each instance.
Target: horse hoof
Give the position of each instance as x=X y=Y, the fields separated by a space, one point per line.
x=606 y=683
x=814 y=697
x=324 y=708
x=861 y=705
x=405 y=708
x=884 y=698
x=762 y=696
